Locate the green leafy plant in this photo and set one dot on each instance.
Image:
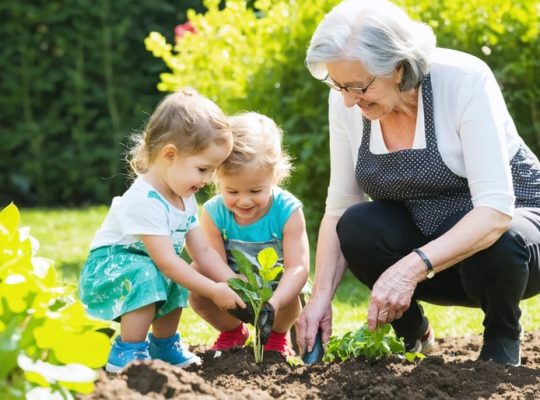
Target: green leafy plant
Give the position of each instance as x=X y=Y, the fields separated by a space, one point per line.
x=47 y=342
x=372 y=345
x=257 y=289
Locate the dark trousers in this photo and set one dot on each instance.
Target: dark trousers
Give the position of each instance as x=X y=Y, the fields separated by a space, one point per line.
x=374 y=235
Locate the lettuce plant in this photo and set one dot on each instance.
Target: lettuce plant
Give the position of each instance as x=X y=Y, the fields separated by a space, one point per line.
x=48 y=345
x=372 y=345
x=256 y=290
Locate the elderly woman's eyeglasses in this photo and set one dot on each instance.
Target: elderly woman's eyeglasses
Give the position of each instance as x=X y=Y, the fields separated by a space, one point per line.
x=348 y=89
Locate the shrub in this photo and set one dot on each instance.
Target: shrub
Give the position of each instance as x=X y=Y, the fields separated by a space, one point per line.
x=253 y=58
x=46 y=339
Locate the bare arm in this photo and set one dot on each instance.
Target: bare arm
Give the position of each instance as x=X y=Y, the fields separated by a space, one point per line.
x=213 y=237
x=296 y=260
x=329 y=269
x=201 y=249
x=161 y=251
x=392 y=293
x=330 y=264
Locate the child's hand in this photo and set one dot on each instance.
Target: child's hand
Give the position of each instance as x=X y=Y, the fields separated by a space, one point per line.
x=226 y=298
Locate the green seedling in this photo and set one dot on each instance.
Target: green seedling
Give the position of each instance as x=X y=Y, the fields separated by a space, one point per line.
x=257 y=288
x=372 y=345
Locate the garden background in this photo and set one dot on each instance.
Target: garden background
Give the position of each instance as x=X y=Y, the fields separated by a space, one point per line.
x=77 y=78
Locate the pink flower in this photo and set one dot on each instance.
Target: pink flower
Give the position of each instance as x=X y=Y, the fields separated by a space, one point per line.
x=181 y=30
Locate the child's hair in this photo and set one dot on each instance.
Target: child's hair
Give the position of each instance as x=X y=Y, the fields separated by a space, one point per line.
x=186 y=119
x=256 y=145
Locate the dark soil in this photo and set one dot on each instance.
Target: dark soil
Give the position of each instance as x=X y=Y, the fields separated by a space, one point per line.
x=450 y=372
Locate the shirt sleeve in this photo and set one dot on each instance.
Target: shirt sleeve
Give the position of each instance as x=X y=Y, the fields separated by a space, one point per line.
x=192 y=210
x=216 y=210
x=288 y=204
x=343 y=190
x=482 y=128
x=146 y=216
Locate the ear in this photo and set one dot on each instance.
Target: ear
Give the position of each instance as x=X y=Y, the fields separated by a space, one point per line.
x=400 y=69
x=168 y=152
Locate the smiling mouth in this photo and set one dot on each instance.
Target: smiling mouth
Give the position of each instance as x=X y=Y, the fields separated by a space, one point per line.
x=366 y=106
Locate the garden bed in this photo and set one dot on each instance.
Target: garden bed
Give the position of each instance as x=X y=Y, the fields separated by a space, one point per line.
x=450 y=372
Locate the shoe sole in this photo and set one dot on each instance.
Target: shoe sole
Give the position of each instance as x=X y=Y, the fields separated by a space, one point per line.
x=113 y=369
x=193 y=360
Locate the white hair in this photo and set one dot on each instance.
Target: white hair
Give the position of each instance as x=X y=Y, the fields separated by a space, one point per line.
x=377 y=33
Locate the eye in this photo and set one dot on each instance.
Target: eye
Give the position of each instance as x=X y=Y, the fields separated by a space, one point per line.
x=203 y=169
x=232 y=192
x=256 y=191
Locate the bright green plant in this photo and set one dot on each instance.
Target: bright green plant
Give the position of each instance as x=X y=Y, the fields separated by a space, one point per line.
x=47 y=342
x=372 y=345
x=257 y=290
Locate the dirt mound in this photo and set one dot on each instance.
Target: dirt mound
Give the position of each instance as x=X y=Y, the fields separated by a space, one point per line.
x=451 y=372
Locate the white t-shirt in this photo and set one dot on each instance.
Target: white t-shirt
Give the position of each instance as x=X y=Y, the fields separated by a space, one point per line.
x=475 y=134
x=141 y=210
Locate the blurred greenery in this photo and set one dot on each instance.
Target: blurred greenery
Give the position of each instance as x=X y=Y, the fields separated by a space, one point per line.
x=75 y=81
x=253 y=58
x=65 y=235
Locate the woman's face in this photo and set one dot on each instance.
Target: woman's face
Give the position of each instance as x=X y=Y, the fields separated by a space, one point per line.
x=381 y=97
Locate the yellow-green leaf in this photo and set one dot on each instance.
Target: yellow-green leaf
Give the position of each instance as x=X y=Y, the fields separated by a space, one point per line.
x=267 y=258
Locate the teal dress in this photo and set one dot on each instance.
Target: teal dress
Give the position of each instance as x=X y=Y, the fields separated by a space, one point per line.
x=119 y=276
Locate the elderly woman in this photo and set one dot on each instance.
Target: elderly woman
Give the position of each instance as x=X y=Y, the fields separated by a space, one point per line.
x=455 y=211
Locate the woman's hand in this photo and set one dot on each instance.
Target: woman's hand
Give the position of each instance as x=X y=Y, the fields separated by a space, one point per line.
x=226 y=298
x=391 y=295
x=317 y=313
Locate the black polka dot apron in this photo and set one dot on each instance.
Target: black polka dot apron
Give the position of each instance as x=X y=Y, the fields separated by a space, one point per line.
x=420 y=179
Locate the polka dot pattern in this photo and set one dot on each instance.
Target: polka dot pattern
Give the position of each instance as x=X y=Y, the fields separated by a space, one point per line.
x=421 y=180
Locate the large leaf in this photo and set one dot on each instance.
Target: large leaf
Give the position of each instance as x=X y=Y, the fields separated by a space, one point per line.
x=267 y=258
x=245 y=267
x=270 y=274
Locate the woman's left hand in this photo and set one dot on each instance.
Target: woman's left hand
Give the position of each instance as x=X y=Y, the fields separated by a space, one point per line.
x=391 y=295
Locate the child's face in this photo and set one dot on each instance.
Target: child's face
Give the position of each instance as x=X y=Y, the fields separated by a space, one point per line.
x=247 y=194
x=187 y=173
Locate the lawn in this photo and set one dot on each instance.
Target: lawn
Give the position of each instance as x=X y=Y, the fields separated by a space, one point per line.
x=65 y=234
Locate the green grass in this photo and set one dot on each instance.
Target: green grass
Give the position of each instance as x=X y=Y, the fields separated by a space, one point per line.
x=65 y=235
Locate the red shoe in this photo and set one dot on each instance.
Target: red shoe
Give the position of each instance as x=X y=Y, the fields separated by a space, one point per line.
x=234 y=338
x=278 y=342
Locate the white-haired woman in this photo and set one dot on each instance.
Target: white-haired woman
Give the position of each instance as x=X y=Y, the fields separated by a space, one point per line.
x=455 y=211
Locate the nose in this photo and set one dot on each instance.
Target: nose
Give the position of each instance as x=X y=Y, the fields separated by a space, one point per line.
x=350 y=99
x=207 y=178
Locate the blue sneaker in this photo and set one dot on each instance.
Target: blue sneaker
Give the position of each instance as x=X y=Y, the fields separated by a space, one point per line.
x=170 y=350
x=122 y=353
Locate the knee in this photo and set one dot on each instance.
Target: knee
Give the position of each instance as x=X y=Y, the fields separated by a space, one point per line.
x=506 y=262
x=356 y=229
x=196 y=301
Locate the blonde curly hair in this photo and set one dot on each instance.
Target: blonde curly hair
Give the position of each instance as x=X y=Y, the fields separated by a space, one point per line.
x=257 y=144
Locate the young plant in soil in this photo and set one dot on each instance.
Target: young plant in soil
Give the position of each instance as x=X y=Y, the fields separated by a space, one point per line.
x=372 y=345
x=257 y=289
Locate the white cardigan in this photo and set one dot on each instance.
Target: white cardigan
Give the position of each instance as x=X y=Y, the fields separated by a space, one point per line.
x=475 y=134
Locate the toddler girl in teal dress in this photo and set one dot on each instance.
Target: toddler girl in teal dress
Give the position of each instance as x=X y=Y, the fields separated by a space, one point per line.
x=250 y=213
x=134 y=273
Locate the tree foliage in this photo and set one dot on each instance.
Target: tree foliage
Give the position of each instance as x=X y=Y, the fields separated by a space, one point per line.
x=253 y=58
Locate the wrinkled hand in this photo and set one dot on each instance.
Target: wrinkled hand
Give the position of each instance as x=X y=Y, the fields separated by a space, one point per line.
x=266 y=321
x=391 y=296
x=226 y=298
x=317 y=314
x=246 y=315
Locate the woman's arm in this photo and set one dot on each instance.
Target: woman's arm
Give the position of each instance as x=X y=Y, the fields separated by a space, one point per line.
x=161 y=251
x=392 y=293
x=329 y=269
x=295 y=260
